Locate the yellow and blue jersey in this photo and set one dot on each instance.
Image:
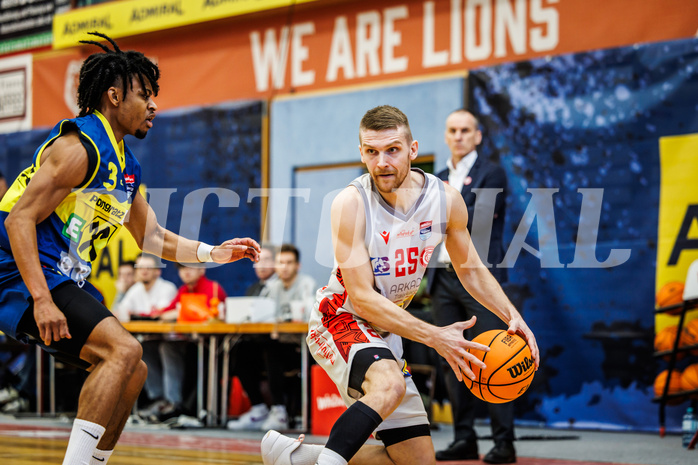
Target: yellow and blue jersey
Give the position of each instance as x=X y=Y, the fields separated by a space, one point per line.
x=82 y=224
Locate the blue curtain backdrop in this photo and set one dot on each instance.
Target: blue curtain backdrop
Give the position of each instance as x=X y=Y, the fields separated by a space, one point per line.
x=203 y=148
x=590 y=120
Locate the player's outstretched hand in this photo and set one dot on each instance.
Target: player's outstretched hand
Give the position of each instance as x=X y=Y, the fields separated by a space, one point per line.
x=518 y=326
x=51 y=322
x=452 y=346
x=235 y=249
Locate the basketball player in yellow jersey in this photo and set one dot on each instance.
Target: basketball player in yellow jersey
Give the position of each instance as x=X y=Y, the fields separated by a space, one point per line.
x=384 y=227
x=83 y=189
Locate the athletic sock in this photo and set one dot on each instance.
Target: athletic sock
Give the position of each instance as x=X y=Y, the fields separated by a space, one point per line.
x=352 y=429
x=329 y=457
x=82 y=443
x=306 y=453
x=100 y=457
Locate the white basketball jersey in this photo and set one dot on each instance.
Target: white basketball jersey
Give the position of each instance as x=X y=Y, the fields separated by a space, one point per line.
x=400 y=245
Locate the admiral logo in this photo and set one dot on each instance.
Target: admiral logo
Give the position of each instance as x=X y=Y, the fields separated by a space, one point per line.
x=385 y=235
x=520 y=368
x=426 y=256
x=406 y=233
x=143 y=14
x=425 y=230
x=215 y=3
x=77 y=27
x=381 y=266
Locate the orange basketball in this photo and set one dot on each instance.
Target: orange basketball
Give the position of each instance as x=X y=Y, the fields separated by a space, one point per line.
x=670 y=294
x=664 y=340
x=674 y=385
x=689 y=335
x=689 y=378
x=510 y=367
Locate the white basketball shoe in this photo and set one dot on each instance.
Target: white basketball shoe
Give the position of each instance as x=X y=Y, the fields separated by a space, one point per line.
x=277 y=419
x=252 y=420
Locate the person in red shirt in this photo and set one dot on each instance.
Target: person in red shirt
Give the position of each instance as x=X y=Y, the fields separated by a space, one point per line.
x=194 y=282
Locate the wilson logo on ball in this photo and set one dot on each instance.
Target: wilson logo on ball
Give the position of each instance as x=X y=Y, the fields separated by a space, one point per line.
x=520 y=368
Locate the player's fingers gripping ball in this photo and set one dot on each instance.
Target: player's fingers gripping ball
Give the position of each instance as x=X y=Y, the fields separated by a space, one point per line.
x=510 y=367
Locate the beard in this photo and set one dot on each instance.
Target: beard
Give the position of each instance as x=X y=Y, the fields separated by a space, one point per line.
x=388 y=187
x=140 y=134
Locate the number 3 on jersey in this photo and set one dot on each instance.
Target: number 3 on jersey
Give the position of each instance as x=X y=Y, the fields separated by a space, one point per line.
x=406 y=261
x=113 y=171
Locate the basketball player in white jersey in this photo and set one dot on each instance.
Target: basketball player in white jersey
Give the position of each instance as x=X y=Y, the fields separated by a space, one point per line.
x=385 y=225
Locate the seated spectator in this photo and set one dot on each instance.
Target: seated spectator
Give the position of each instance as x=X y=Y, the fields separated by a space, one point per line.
x=275 y=356
x=125 y=278
x=144 y=300
x=292 y=288
x=194 y=282
x=265 y=269
x=148 y=295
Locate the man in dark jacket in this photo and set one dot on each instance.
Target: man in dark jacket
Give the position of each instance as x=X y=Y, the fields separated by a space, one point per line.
x=483 y=186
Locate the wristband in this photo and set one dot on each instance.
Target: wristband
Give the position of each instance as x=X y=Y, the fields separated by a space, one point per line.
x=203 y=252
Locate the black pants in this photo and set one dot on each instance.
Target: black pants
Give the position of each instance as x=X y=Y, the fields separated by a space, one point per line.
x=451 y=303
x=257 y=356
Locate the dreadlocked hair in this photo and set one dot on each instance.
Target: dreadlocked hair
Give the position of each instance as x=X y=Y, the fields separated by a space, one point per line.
x=100 y=71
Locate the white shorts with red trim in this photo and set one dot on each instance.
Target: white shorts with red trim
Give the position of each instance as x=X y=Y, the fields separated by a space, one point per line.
x=333 y=342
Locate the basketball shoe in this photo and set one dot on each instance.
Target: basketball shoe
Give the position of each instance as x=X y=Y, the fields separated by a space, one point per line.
x=278 y=449
x=252 y=420
x=277 y=419
x=8 y=395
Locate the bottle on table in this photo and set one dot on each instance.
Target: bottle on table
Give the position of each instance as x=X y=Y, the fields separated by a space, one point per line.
x=688 y=426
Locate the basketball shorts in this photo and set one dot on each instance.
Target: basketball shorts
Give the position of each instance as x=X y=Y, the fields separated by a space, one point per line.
x=83 y=313
x=335 y=348
x=15 y=298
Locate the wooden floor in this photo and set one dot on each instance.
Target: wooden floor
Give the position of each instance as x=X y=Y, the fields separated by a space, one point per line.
x=42 y=446
x=39 y=445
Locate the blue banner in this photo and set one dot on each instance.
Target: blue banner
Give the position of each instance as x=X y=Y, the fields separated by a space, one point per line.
x=579 y=138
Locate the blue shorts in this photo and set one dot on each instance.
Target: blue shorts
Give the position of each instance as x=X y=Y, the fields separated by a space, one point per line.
x=15 y=298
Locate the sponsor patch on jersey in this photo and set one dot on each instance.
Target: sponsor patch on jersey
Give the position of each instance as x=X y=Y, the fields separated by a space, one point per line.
x=406 y=233
x=405 y=290
x=426 y=256
x=130 y=181
x=103 y=204
x=425 y=230
x=385 y=235
x=72 y=229
x=381 y=266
